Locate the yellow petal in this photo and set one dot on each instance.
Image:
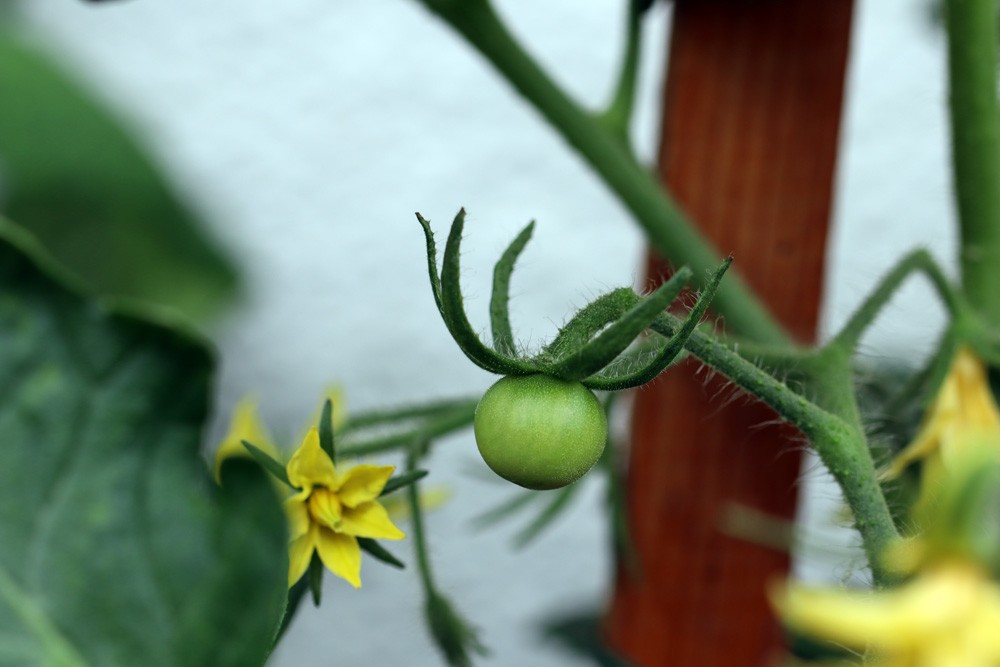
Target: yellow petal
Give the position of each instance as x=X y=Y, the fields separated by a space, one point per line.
x=362 y=483
x=369 y=520
x=298 y=517
x=341 y=555
x=310 y=466
x=926 y=443
x=244 y=425
x=947 y=615
x=963 y=414
x=300 y=552
x=853 y=619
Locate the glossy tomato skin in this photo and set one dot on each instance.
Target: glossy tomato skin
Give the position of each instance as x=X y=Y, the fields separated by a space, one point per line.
x=540 y=432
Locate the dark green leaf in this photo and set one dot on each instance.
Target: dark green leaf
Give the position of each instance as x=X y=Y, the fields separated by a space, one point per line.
x=558 y=503
x=116 y=549
x=75 y=177
x=503 y=336
x=507 y=508
x=376 y=550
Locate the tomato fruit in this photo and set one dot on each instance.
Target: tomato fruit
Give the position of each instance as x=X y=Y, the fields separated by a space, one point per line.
x=540 y=432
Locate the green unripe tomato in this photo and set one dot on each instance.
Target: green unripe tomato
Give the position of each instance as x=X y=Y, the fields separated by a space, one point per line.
x=540 y=432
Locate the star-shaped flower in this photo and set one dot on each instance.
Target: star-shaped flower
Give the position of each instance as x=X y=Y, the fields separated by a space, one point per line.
x=331 y=510
x=947 y=616
x=963 y=416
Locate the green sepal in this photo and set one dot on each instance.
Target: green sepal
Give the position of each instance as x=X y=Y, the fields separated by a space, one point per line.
x=432 y=263
x=557 y=505
x=503 y=336
x=379 y=552
x=315 y=576
x=634 y=368
x=588 y=321
x=267 y=463
x=611 y=342
x=669 y=351
x=505 y=509
x=384 y=418
x=400 y=481
x=616 y=499
x=454 y=636
x=960 y=522
x=439 y=424
x=454 y=312
x=326 y=430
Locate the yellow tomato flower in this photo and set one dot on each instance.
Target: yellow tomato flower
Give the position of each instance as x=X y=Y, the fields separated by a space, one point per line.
x=331 y=510
x=963 y=416
x=947 y=616
x=244 y=425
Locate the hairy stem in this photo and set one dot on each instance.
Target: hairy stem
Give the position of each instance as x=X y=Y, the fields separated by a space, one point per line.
x=833 y=429
x=866 y=314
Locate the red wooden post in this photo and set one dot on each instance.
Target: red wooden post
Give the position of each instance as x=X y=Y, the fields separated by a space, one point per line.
x=751 y=116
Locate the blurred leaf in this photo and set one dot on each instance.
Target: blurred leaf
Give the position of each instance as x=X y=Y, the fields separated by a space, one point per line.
x=73 y=176
x=115 y=547
x=580 y=634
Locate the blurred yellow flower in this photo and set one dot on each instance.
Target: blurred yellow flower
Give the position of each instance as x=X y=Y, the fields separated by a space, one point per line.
x=244 y=425
x=963 y=416
x=331 y=510
x=947 y=616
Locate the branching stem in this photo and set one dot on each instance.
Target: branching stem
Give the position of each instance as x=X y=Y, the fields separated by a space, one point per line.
x=668 y=229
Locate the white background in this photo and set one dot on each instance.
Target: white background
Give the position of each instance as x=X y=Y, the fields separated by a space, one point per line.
x=309 y=132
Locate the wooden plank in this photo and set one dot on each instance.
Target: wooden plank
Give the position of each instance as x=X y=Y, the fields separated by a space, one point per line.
x=751 y=116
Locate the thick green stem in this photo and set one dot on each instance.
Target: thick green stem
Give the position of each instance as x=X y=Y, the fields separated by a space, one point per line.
x=669 y=231
x=844 y=450
x=975 y=130
x=834 y=429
